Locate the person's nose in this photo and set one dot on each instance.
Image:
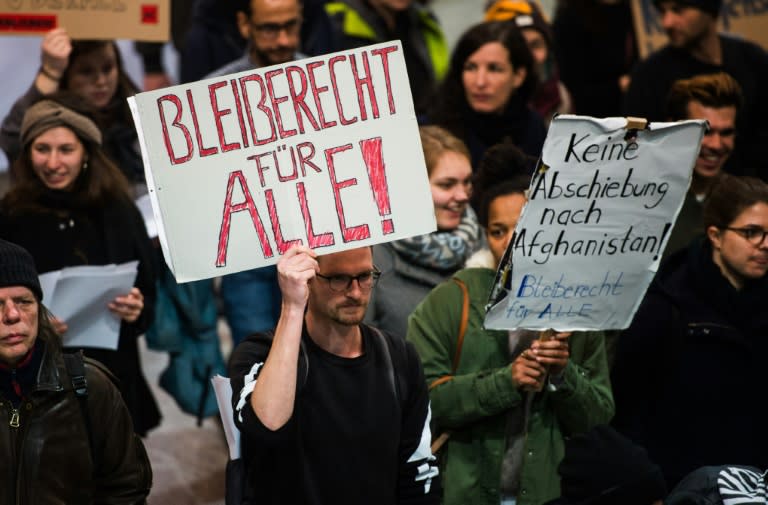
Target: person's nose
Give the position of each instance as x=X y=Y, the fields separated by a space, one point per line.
x=462 y=193
x=713 y=141
x=284 y=39
x=52 y=162
x=10 y=312
x=668 y=20
x=481 y=78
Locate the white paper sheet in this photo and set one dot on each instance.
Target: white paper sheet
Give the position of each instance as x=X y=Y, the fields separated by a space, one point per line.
x=223 y=390
x=79 y=296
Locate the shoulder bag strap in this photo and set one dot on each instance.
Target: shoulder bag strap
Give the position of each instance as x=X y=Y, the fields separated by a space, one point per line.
x=460 y=339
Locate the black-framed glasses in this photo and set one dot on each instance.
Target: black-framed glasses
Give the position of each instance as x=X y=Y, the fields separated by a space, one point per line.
x=754 y=234
x=341 y=282
x=272 y=30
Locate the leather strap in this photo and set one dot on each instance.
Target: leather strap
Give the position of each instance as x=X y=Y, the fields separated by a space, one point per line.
x=460 y=339
x=443 y=437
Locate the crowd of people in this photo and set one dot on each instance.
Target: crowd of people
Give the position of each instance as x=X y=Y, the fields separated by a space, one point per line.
x=368 y=376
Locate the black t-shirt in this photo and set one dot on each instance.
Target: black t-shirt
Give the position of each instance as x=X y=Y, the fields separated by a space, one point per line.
x=352 y=438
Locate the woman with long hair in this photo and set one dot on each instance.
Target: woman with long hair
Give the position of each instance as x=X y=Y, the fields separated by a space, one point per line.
x=484 y=98
x=69 y=206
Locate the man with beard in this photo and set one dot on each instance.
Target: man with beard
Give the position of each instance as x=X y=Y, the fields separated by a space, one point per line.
x=716 y=98
x=251 y=298
x=331 y=410
x=696 y=48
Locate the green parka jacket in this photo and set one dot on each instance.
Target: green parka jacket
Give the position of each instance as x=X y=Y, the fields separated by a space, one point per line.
x=474 y=405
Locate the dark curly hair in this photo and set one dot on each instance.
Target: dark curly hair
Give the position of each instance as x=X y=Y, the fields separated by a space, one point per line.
x=500 y=163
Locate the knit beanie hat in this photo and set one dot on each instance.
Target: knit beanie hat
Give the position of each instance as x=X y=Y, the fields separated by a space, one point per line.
x=17 y=268
x=524 y=14
x=47 y=114
x=709 y=6
x=602 y=467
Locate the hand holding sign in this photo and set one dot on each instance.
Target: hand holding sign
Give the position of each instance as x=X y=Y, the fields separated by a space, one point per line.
x=297 y=266
x=527 y=373
x=552 y=351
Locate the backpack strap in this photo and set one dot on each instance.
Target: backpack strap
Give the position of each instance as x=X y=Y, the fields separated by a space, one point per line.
x=460 y=338
x=385 y=345
x=75 y=365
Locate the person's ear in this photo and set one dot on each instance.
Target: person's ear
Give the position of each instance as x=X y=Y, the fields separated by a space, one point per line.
x=713 y=234
x=244 y=25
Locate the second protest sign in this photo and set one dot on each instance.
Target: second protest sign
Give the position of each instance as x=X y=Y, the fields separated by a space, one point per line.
x=599 y=212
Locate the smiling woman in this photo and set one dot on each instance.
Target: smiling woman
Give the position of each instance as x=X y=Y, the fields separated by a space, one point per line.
x=411 y=267
x=92 y=70
x=70 y=205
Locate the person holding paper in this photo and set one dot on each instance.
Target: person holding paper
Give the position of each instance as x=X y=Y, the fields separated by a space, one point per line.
x=689 y=371
x=69 y=205
x=331 y=410
x=411 y=267
x=58 y=447
x=505 y=400
x=718 y=99
x=93 y=70
x=483 y=99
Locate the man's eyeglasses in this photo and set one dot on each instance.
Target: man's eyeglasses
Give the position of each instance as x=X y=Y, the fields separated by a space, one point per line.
x=272 y=30
x=341 y=283
x=754 y=234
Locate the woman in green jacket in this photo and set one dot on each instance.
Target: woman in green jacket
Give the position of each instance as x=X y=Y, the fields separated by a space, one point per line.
x=510 y=398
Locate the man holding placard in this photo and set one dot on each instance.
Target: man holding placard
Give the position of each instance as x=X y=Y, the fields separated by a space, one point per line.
x=332 y=410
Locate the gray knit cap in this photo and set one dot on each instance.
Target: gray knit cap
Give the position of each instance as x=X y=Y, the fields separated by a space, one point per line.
x=48 y=114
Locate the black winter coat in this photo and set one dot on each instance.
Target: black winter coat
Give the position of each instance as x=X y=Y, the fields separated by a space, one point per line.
x=689 y=374
x=48 y=459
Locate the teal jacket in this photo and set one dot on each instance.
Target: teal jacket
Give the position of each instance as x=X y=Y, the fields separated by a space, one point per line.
x=474 y=404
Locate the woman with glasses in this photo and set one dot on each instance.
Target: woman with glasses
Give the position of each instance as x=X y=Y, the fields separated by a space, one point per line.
x=689 y=372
